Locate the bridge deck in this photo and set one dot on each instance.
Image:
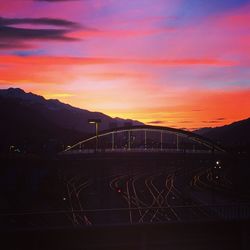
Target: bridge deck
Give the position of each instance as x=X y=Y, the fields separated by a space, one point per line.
x=138 y=150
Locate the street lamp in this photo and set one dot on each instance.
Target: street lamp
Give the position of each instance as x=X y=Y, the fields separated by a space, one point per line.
x=96 y=122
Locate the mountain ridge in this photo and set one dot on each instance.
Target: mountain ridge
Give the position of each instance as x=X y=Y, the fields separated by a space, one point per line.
x=31 y=119
x=36 y=125
x=56 y=105
x=234 y=135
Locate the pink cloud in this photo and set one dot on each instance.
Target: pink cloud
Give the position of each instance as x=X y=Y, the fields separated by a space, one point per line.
x=60 y=60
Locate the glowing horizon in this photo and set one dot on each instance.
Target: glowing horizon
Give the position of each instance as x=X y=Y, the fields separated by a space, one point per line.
x=178 y=63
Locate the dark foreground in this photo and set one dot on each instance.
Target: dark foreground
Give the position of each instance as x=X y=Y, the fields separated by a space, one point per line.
x=174 y=236
x=128 y=201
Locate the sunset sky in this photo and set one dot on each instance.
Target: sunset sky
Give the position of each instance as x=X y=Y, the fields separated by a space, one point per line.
x=177 y=63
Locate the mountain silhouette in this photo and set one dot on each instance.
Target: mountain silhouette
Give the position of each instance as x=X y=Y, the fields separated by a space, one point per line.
x=234 y=135
x=35 y=124
x=29 y=119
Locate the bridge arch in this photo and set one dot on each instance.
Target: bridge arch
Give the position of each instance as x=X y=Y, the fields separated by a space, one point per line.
x=212 y=146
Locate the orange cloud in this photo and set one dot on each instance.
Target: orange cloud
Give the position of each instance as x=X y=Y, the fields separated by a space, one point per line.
x=197 y=109
x=48 y=69
x=56 y=60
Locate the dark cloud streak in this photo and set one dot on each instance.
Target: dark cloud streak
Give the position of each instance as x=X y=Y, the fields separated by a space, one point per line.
x=212 y=121
x=38 y=21
x=156 y=122
x=13 y=37
x=27 y=34
x=216 y=120
x=185 y=122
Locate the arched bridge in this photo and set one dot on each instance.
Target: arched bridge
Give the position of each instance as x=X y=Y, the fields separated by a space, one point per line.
x=145 y=138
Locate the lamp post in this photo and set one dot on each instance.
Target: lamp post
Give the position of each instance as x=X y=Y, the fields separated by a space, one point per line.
x=96 y=122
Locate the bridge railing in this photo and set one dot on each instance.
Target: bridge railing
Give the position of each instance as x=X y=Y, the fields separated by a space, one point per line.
x=136 y=150
x=89 y=217
x=126 y=137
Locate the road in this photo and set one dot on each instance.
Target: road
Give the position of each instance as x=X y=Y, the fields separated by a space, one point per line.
x=177 y=190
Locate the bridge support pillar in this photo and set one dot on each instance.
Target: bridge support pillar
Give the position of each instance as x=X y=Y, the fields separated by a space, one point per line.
x=161 y=140
x=129 y=142
x=177 y=142
x=113 y=141
x=96 y=133
x=145 y=139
